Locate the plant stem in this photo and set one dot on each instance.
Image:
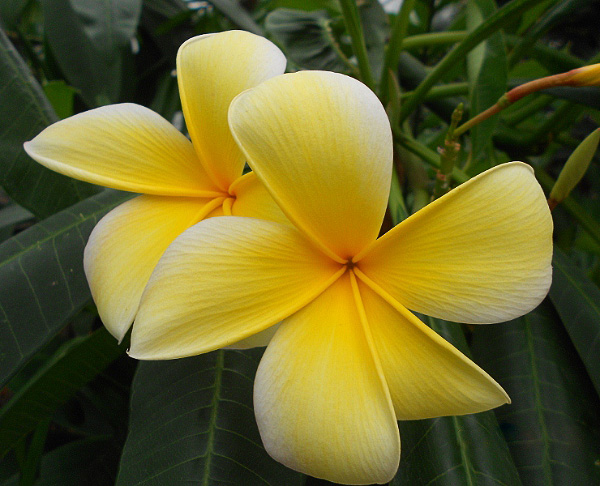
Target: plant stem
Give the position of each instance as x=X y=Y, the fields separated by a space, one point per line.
x=433 y=39
x=494 y=23
x=394 y=47
x=354 y=28
x=443 y=91
x=429 y=156
x=448 y=155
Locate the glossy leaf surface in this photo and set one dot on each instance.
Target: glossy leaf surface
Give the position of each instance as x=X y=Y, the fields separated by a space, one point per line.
x=553 y=423
x=465 y=450
x=25 y=111
x=72 y=366
x=43 y=284
x=577 y=301
x=192 y=421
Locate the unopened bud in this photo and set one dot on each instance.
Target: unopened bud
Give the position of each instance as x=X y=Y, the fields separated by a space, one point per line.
x=585 y=76
x=575 y=168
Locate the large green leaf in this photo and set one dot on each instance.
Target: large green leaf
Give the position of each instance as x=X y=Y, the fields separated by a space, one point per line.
x=43 y=284
x=487 y=71
x=24 y=112
x=89 y=462
x=192 y=421
x=577 y=301
x=74 y=364
x=552 y=425
x=238 y=15
x=306 y=38
x=89 y=41
x=465 y=450
x=376 y=30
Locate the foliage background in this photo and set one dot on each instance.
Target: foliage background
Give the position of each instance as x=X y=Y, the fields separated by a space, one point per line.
x=75 y=410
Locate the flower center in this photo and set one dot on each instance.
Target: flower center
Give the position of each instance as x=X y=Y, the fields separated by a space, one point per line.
x=227 y=205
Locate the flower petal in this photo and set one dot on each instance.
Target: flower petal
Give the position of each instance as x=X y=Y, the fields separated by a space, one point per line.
x=426 y=375
x=321 y=405
x=480 y=254
x=260 y=339
x=223 y=280
x=124 y=248
x=213 y=69
x=127 y=147
x=322 y=145
x=253 y=200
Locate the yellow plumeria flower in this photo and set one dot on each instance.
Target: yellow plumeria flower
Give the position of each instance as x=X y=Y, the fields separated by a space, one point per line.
x=348 y=359
x=131 y=148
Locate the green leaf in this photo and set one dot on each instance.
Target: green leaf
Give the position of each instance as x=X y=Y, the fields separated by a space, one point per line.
x=75 y=363
x=192 y=421
x=89 y=41
x=12 y=215
x=90 y=462
x=577 y=301
x=61 y=95
x=25 y=111
x=305 y=38
x=238 y=15
x=10 y=12
x=552 y=425
x=585 y=95
x=43 y=284
x=487 y=71
x=331 y=6
x=464 y=450
x=376 y=29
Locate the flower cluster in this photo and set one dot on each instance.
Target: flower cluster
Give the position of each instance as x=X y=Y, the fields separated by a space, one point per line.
x=297 y=262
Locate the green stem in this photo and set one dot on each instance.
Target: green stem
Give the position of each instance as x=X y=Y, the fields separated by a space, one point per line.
x=444 y=91
x=394 y=47
x=448 y=155
x=581 y=215
x=484 y=115
x=338 y=50
x=527 y=109
x=563 y=116
x=494 y=23
x=434 y=39
x=396 y=204
x=354 y=28
x=429 y=156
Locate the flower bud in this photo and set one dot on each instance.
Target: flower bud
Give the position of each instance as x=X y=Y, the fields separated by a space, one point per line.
x=585 y=76
x=575 y=168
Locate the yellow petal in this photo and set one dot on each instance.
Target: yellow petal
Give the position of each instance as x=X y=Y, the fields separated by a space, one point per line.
x=259 y=339
x=321 y=405
x=126 y=147
x=253 y=200
x=426 y=375
x=223 y=280
x=321 y=143
x=126 y=245
x=212 y=69
x=480 y=254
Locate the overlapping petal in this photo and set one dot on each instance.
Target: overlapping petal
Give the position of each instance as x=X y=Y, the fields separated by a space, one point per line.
x=480 y=254
x=321 y=143
x=212 y=70
x=252 y=199
x=223 y=280
x=426 y=375
x=127 y=147
x=321 y=404
x=126 y=245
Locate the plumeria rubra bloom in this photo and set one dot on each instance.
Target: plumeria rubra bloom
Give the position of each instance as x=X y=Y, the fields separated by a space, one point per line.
x=131 y=148
x=348 y=359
